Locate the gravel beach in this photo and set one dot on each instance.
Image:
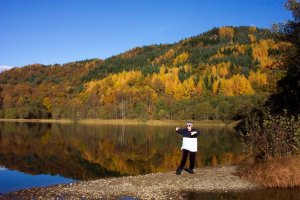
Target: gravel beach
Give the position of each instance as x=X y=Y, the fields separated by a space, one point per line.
x=149 y=186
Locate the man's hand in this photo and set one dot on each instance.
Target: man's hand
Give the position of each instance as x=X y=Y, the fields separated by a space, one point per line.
x=177 y=128
x=193 y=132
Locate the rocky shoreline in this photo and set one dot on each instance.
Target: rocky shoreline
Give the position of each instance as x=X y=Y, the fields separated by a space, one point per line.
x=149 y=186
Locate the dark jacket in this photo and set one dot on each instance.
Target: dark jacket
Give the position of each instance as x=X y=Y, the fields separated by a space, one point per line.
x=186 y=133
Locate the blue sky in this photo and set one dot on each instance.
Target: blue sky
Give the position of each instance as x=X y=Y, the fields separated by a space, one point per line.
x=60 y=31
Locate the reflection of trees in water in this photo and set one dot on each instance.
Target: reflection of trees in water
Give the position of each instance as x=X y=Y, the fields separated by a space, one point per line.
x=274 y=194
x=90 y=151
x=219 y=146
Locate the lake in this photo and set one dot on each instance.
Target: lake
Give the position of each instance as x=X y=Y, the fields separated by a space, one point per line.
x=41 y=154
x=263 y=194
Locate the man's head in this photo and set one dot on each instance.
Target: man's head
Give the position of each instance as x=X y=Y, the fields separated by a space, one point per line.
x=189 y=125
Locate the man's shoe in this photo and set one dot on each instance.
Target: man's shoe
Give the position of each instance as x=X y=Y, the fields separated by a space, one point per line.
x=189 y=171
x=178 y=172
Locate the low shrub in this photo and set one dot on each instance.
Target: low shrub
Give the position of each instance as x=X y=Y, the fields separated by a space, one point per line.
x=273 y=136
x=276 y=172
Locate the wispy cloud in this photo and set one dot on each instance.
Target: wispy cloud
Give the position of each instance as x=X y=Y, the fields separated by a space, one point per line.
x=5 y=67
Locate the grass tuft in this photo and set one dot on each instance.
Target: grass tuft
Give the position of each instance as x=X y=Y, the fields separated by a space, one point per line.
x=282 y=172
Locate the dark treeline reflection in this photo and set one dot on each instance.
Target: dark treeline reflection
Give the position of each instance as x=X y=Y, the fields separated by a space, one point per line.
x=274 y=194
x=91 y=151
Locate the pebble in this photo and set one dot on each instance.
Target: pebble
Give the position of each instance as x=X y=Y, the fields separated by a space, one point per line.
x=156 y=185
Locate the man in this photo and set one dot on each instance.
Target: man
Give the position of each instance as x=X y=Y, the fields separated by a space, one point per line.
x=189 y=146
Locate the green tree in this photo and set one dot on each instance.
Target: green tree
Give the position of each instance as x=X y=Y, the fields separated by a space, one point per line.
x=141 y=111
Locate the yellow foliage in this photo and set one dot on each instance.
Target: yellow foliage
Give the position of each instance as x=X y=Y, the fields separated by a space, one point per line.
x=168 y=81
x=218 y=55
x=169 y=54
x=260 y=52
x=200 y=87
x=165 y=57
x=48 y=104
x=213 y=71
x=181 y=58
x=215 y=86
x=223 y=69
x=178 y=90
x=219 y=70
x=258 y=78
x=241 y=49
x=187 y=68
x=189 y=87
x=46 y=137
x=89 y=87
x=109 y=97
x=162 y=69
x=132 y=86
x=236 y=85
x=157 y=83
x=226 y=87
x=241 y=85
x=236 y=49
x=252 y=38
x=226 y=32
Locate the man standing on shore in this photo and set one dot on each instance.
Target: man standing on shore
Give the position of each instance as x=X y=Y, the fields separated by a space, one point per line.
x=189 y=147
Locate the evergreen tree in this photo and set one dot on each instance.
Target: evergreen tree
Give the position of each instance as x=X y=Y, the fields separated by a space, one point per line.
x=288 y=95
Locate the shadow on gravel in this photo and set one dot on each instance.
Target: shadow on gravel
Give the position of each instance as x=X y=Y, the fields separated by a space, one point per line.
x=273 y=194
x=128 y=198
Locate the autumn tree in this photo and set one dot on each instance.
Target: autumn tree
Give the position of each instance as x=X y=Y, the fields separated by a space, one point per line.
x=181 y=58
x=260 y=52
x=258 y=79
x=226 y=32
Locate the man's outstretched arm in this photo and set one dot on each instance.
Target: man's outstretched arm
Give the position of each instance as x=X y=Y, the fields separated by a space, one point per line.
x=195 y=132
x=179 y=130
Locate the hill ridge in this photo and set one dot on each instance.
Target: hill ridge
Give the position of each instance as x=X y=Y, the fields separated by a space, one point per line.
x=224 y=63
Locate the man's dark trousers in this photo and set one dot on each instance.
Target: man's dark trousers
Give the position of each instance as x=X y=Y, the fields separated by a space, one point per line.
x=185 y=154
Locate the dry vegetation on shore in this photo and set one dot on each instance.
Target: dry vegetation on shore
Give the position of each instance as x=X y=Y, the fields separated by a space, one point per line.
x=278 y=172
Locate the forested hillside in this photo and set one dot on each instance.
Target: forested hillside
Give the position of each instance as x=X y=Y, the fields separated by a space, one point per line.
x=221 y=74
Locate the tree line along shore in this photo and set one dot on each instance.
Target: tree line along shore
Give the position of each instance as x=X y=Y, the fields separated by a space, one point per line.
x=219 y=123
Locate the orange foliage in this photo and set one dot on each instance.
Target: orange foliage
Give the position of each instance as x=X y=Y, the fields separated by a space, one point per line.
x=260 y=52
x=226 y=87
x=226 y=32
x=200 y=87
x=258 y=78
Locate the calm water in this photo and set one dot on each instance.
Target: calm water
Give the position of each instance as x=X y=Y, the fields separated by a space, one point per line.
x=265 y=194
x=14 y=180
x=35 y=154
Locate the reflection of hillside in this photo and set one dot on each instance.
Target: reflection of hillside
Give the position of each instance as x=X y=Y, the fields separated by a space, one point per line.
x=69 y=166
x=86 y=151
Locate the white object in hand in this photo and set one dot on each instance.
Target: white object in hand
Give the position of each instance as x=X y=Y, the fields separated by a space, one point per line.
x=193 y=132
x=177 y=128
